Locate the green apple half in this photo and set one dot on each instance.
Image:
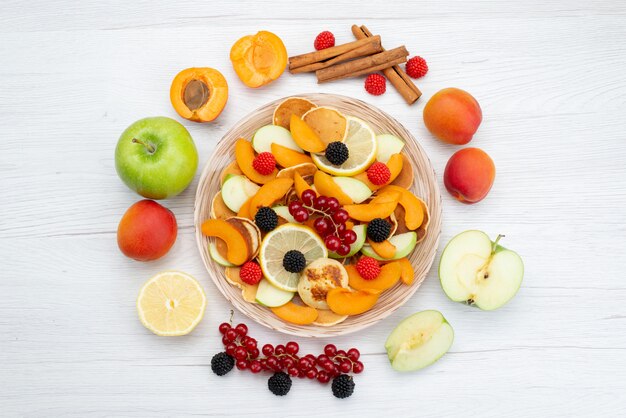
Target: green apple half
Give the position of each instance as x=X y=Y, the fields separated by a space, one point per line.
x=267 y=135
x=404 y=244
x=479 y=272
x=236 y=190
x=156 y=157
x=419 y=341
x=355 y=247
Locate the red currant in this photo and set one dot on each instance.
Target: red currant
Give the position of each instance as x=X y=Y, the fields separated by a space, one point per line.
x=348 y=236
x=321 y=359
x=321 y=225
x=241 y=353
x=301 y=215
x=241 y=329
x=224 y=326
x=341 y=216
x=255 y=366
x=242 y=364
x=294 y=206
x=311 y=374
x=345 y=367
x=304 y=364
x=354 y=354
x=231 y=335
x=343 y=250
x=225 y=340
x=280 y=349
x=320 y=202
x=272 y=363
x=292 y=347
x=357 y=367
x=250 y=344
x=323 y=377
x=308 y=196
x=268 y=349
x=287 y=362
x=332 y=204
x=328 y=365
x=341 y=353
x=330 y=350
x=293 y=371
x=230 y=349
x=332 y=242
x=311 y=358
x=254 y=353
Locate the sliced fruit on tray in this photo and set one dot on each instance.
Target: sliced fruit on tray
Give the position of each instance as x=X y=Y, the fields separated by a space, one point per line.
x=242 y=237
x=248 y=291
x=387 y=278
x=419 y=341
x=318 y=278
x=291 y=106
x=361 y=143
x=408 y=274
x=405 y=178
x=304 y=136
x=215 y=255
x=413 y=206
x=283 y=212
x=259 y=59
x=236 y=190
x=404 y=244
x=296 y=314
x=287 y=157
x=278 y=243
x=394 y=164
x=268 y=135
x=271 y=296
x=326 y=186
x=231 y=168
x=388 y=145
x=328 y=123
x=355 y=189
x=171 y=303
x=370 y=211
x=356 y=246
x=344 y=301
x=477 y=271
x=244 y=154
x=270 y=193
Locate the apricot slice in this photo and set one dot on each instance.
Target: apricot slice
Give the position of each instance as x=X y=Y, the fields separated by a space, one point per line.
x=413 y=213
x=304 y=136
x=343 y=301
x=286 y=157
x=389 y=275
x=408 y=274
x=199 y=94
x=248 y=291
x=384 y=249
x=244 y=210
x=369 y=211
x=327 y=123
x=232 y=235
x=405 y=178
x=300 y=184
x=259 y=59
x=291 y=106
x=244 y=154
x=296 y=314
x=325 y=186
x=231 y=168
x=394 y=164
x=387 y=196
x=269 y=193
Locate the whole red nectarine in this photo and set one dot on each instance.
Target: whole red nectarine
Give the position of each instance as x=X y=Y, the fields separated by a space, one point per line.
x=469 y=175
x=147 y=231
x=453 y=116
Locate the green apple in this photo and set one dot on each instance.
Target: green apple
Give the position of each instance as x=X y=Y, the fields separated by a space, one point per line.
x=404 y=244
x=283 y=212
x=236 y=190
x=268 y=134
x=419 y=341
x=387 y=145
x=479 y=272
x=271 y=296
x=156 y=157
x=356 y=246
x=217 y=257
x=356 y=189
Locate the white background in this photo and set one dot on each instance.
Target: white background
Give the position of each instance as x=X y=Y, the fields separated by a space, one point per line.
x=550 y=77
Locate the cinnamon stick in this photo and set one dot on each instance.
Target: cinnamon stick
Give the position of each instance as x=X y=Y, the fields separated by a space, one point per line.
x=367 y=49
x=396 y=76
x=363 y=65
x=324 y=54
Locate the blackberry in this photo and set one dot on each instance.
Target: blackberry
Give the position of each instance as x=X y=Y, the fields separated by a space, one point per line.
x=343 y=386
x=294 y=261
x=280 y=384
x=378 y=230
x=266 y=219
x=222 y=363
x=337 y=153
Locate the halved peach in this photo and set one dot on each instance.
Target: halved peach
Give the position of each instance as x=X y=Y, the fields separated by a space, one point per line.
x=405 y=178
x=413 y=213
x=304 y=136
x=408 y=274
x=325 y=186
x=199 y=94
x=344 y=301
x=244 y=154
x=300 y=184
x=234 y=237
x=286 y=157
x=395 y=164
x=389 y=275
x=291 y=106
x=269 y=193
x=296 y=314
x=367 y=212
x=384 y=249
x=259 y=59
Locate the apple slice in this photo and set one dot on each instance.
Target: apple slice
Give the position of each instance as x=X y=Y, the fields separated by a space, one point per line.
x=479 y=272
x=419 y=341
x=387 y=146
x=356 y=189
x=236 y=190
x=271 y=296
x=217 y=257
x=267 y=135
x=404 y=243
x=283 y=212
x=356 y=246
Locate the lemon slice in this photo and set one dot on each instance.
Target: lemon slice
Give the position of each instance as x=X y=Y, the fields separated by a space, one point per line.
x=362 y=147
x=282 y=239
x=171 y=303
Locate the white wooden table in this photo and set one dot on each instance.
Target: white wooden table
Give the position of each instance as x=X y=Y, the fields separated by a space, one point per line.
x=550 y=77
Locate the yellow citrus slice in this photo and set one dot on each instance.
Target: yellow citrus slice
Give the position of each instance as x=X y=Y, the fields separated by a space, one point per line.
x=361 y=143
x=171 y=303
x=282 y=239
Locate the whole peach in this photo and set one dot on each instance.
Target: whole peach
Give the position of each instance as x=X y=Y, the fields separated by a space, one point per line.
x=469 y=175
x=453 y=116
x=147 y=231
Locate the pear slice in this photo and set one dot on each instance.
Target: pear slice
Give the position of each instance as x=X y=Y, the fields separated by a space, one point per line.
x=419 y=341
x=479 y=272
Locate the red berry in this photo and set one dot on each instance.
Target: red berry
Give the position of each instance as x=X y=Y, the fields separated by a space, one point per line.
x=230 y=349
x=304 y=364
x=294 y=206
x=332 y=204
x=332 y=242
x=323 y=377
x=311 y=373
x=330 y=350
x=231 y=335
x=292 y=347
x=340 y=216
x=341 y=353
x=293 y=371
x=368 y=268
x=224 y=326
x=321 y=225
x=254 y=353
x=301 y=215
x=324 y=40
x=308 y=196
x=354 y=354
x=272 y=363
x=330 y=367
x=343 y=250
x=321 y=359
x=255 y=366
x=268 y=349
x=416 y=67
x=242 y=364
x=357 y=367
x=375 y=84
x=320 y=202
x=250 y=344
x=241 y=329
x=250 y=273
x=287 y=362
x=348 y=236
x=241 y=353
x=345 y=367
x=311 y=358
x=379 y=173
x=340 y=228
x=264 y=163
x=280 y=349
x=225 y=340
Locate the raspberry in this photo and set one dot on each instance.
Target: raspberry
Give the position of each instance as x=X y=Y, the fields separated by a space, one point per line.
x=378 y=230
x=250 y=273
x=375 y=84
x=324 y=40
x=368 y=268
x=337 y=153
x=378 y=173
x=264 y=163
x=416 y=67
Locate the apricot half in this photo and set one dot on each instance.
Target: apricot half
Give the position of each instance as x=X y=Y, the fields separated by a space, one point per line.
x=269 y=193
x=244 y=154
x=259 y=59
x=394 y=164
x=286 y=157
x=343 y=301
x=199 y=94
x=296 y=314
x=304 y=136
x=389 y=275
x=234 y=237
x=413 y=213
x=325 y=186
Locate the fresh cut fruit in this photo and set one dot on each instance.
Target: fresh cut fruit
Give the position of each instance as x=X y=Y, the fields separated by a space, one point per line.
x=318 y=278
x=328 y=123
x=404 y=244
x=387 y=278
x=236 y=190
x=171 y=303
x=267 y=135
x=356 y=246
x=296 y=314
x=271 y=296
x=304 y=136
x=419 y=341
x=286 y=157
x=344 y=301
x=259 y=59
x=355 y=189
x=479 y=272
x=217 y=257
x=199 y=94
x=292 y=106
x=244 y=154
x=387 y=145
x=270 y=193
